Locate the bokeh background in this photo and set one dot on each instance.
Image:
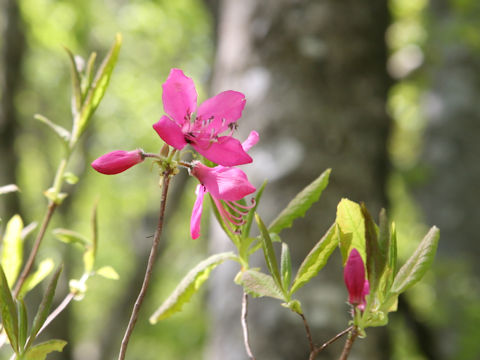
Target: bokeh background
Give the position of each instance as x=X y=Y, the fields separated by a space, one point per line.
x=384 y=93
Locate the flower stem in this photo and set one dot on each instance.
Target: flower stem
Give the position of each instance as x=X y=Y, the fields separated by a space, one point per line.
x=349 y=343
x=245 y=326
x=318 y=349
x=149 y=270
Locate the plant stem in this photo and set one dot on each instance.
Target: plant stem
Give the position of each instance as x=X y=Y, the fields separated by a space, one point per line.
x=36 y=245
x=245 y=326
x=149 y=270
x=349 y=343
x=318 y=349
x=309 y=334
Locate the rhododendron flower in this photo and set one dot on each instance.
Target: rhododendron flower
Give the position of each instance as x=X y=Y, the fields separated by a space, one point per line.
x=202 y=127
x=355 y=280
x=117 y=161
x=226 y=185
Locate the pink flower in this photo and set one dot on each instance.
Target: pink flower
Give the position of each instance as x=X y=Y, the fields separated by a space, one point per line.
x=213 y=117
x=117 y=161
x=226 y=185
x=355 y=280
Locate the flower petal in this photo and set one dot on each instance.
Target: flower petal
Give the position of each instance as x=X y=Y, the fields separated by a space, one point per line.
x=179 y=96
x=117 y=161
x=251 y=141
x=223 y=109
x=223 y=183
x=170 y=132
x=197 y=212
x=226 y=151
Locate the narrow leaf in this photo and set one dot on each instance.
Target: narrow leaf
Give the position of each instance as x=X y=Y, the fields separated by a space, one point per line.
x=286 y=266
x=97 y=89
x=62 y=133
x=316 y=259
x=418 y=264
x=300 y=204
x=8 y=189
x=71 y=237
x=43 y=270
x=22 y=324
x=88 y=78
x=8 y=310
x=12 y=251
x=108 y=272
x=44 y=307
x=258 y=284
x=189 y=285
x=76 y=90
x=90 y=253
x=351 y=227
x=40 y=351
x=268 y=251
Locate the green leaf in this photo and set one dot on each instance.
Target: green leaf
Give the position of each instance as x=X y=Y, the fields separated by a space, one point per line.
x=248 y=220
x=351 y=226
x=418 y=264
x=294 y=305
x=12 y=251
x=88 y=78
x=286 y=267
x=258 y=284
x=269 y=252
x=90 y=254
x=71 y=237
x=189 y=285
x=8 y=189
x=44 y=307
x=300 y=204
x=97 y=89
x=108 y=272
x=76 y=90
x=22 y=324
x=70 y=178
x=62 y=133
x=316 y=259
x=43 y=270
x=40 y=351
x=8 y=310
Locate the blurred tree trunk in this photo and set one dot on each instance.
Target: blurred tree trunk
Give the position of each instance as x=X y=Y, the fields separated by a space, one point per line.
x=314 y=77
x=450 y=195
x=12 y=49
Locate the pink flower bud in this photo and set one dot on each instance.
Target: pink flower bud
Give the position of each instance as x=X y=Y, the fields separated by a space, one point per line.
x=355 y=280
x=117 y=161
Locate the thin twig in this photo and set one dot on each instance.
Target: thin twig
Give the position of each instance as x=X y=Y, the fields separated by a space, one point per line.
x=318 y=349
x=36 y=245
x=309 y=334
x=349 y=343
x=245 y=326
x=149 y=270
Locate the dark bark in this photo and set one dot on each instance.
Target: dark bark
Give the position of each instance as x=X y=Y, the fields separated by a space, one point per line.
x=314 y=76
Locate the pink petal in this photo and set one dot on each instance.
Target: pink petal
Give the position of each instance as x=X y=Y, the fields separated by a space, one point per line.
x=223 y=109
x=170 y=132
x=251 y=141
x=179 y=96
x=224 y=183
x=226 y=151
x=354 y=276
x=117 y=161
x=197 y=212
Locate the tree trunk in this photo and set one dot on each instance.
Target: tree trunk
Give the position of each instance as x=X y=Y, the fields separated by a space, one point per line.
x=314 y=77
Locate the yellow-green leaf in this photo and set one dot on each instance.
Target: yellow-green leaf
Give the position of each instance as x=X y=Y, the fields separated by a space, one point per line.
x=40 y=351
x=12 y=251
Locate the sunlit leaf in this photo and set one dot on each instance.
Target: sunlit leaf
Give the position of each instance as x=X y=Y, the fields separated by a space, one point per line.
x=418 y=264
x=76 y=90
x=40 y=351
x=43 y=270
x=71 y=237
x=351 y=226
x=8 y=310
x=108 y=272
x=189 y=285
x=258 y=284
x=300 y=204
x=44 y=307
x=316 y=259
x=12 y=251
x=286 y=266
x=70 y=178
x=22 y=324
